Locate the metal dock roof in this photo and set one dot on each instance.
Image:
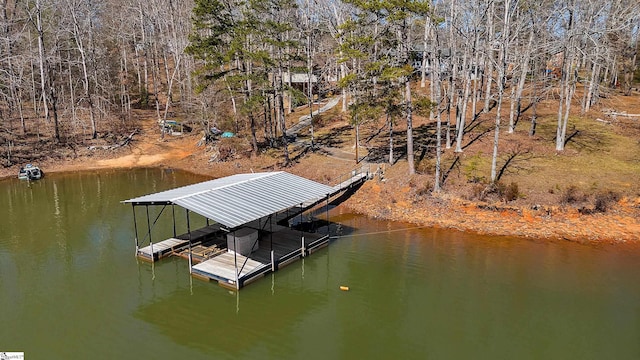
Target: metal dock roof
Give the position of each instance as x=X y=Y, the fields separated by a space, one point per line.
x=239 y=199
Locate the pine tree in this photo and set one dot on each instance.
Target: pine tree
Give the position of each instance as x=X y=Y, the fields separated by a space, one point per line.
x=396 y=17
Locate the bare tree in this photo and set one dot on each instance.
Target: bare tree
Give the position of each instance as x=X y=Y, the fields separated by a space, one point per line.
x=502 y=68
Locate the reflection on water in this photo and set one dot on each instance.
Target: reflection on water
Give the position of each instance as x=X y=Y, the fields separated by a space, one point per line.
x=71 y=287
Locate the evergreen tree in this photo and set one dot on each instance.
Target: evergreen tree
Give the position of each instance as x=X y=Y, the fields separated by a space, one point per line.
x=396 y=17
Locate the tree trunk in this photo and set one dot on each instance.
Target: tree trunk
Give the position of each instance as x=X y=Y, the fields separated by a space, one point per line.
x=522 y=79
x=489 y=58
x=453 y=77
x=465 y=101
x=390 y=122
x=566 y=92
x=408 y=104
x=436 y=182
x=281 y=119
x=534 y=100
x=53 y=100
x=309 y=71
x=83 y=61
x=41 y=60
x=357 y=129
x=476 y=73
x=425 y=44
x=502 y=66
x=593 y=83
x=143 y=34
x=343 y=73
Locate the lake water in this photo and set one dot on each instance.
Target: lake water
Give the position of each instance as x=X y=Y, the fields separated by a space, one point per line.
x=71 y=288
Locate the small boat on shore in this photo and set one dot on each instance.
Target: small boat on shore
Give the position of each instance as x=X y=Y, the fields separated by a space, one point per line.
x=30 y=172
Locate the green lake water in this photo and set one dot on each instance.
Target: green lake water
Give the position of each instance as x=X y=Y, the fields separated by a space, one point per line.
x=71 y=288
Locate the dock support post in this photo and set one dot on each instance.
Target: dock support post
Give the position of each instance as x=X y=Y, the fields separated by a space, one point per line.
x=135 y=227
x=301 y=232
x=173 y=214
x=235 y=259
x=327 y=213
x=190 y=263
x=189 y=231
x=273 y=263
x=153 y=257
x=257 y=238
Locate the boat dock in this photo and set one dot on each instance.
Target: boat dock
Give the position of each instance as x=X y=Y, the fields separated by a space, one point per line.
x=252 y=234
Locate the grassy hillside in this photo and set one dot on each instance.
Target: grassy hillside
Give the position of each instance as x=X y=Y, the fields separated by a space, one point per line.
x=601 y=157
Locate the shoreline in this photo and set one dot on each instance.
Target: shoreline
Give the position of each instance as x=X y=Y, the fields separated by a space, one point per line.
x=392 y=199
x=619 y=225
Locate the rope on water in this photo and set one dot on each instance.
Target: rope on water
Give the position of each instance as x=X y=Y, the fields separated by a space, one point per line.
x=378 y=232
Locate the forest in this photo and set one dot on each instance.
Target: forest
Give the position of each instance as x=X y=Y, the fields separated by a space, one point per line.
x=75 y=70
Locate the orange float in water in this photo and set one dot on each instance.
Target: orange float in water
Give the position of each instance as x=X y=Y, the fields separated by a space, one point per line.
x=344 y=288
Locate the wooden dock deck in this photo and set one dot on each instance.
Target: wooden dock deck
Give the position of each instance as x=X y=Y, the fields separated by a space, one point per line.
x=286 y=245
x=222 y=268
x=161 y=249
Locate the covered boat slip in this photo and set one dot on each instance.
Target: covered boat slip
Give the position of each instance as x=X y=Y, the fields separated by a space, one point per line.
x=247 y=239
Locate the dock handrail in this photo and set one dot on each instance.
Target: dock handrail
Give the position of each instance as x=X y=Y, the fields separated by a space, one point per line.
x=343 y=179
x=345 y=176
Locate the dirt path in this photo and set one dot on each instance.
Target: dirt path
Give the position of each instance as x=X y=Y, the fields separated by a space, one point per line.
x=147 y=152
x=305 y=120
x=149 y=148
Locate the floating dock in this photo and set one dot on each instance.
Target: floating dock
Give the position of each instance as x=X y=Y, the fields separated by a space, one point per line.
x=247 y=239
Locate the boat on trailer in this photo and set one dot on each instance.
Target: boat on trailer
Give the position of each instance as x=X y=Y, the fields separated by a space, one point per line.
x=30 y=172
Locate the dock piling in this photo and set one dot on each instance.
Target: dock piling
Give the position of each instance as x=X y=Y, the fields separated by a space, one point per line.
x=189 y=231
x=135 y=228
x=273 y=263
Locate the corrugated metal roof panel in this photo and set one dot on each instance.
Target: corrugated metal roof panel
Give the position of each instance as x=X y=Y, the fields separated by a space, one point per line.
x=239 y=199
x=169 y=195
